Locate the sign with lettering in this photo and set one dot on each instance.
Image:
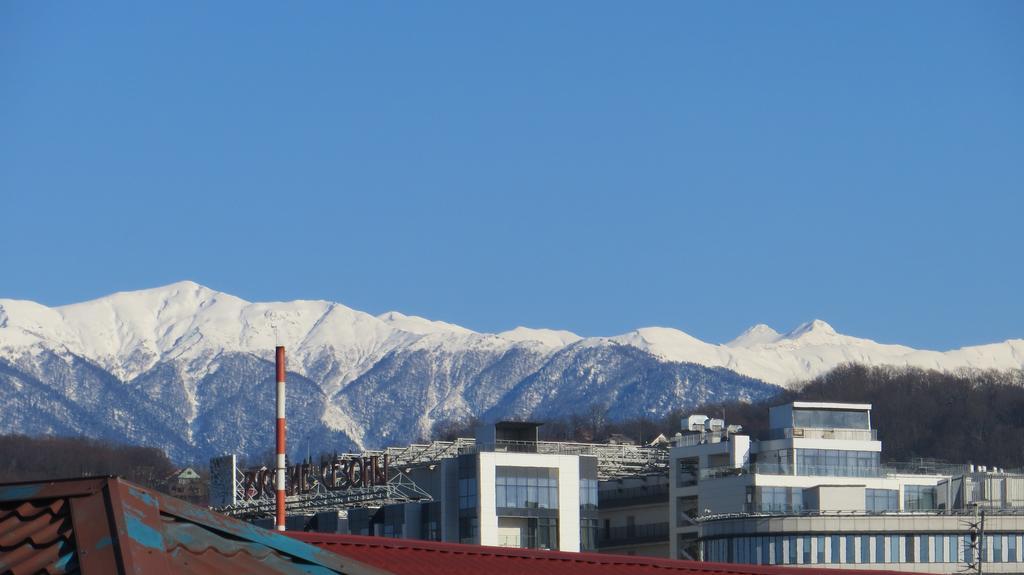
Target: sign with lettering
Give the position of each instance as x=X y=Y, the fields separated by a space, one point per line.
x=340 y=474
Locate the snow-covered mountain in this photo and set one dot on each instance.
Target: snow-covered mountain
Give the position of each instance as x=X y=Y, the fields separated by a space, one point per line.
x=187 y=368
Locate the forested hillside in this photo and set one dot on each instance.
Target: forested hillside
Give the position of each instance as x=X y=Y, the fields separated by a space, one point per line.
x=965 y=416
x=25 y=458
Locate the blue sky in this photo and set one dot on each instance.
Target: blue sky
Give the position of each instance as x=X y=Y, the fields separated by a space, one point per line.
x=589 y=166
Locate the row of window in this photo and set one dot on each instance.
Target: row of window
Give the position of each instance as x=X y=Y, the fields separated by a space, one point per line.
x=837 y=463
x=863 y=548
x=792 y=499
x=878 y=500
x=830 y=419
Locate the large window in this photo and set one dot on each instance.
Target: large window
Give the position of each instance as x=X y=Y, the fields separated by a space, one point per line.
x=588 y=534
x=836 y=463
x=526 y=487
x=467 y=493
x=469 y=530
x=878 y=500
x=918 y=497
x=779 y=499
x=830 y=419
x=774 y=462
x=588 y=495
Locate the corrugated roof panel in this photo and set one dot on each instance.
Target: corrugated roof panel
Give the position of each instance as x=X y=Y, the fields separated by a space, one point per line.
x=36 y=537
x=414 y=557
x=105 y=526
x=195 y=548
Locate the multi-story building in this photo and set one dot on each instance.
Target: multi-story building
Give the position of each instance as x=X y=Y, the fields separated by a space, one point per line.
x=813 y=491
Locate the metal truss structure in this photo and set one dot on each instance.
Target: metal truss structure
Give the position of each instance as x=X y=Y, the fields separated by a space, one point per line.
x=613 y=461
x=399 y=489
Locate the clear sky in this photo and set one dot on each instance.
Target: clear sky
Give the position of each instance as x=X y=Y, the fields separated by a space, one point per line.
x=587 y=165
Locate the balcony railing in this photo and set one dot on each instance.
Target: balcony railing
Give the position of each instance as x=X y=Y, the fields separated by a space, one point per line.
x=523 y=542
x=632 y=495
x=787 y=469
x=633 y=534
x=818 y=433
x=692 y=439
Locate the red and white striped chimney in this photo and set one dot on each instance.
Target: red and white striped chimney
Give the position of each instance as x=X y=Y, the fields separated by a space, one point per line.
x=279 y=483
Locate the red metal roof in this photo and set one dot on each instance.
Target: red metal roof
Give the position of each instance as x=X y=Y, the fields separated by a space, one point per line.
x=106 y=526
x=414 y=557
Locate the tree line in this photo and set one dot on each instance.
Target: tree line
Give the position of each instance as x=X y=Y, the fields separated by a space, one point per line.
x=961 y=416
x=24 y=458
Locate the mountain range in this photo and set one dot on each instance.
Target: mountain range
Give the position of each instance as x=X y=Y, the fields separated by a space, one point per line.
x=188 y=369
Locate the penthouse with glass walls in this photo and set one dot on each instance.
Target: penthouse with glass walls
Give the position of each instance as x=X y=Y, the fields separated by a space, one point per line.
x=813 y=491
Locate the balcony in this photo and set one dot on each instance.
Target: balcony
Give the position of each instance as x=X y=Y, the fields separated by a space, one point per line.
x=820 y=433
x=633 y=535
x=691 y=439
x=608 y=498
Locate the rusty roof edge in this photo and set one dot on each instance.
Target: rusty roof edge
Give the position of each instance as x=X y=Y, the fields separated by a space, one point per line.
x=139 y=528
x=29 y=490
x=236 y=528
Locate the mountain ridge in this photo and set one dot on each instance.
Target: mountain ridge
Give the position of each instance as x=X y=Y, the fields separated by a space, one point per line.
x=367 y=380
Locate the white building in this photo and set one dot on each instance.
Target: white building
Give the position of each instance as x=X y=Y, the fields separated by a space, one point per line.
x=501 y=492
x=813 y=492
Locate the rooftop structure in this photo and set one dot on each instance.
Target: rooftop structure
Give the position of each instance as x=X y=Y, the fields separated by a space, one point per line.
x=432 y=558
x=240 y=493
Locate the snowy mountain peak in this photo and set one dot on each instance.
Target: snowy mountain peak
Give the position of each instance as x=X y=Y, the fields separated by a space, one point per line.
x=813 y=329
x=548 y=337
x=419 y=325
x=759 y=334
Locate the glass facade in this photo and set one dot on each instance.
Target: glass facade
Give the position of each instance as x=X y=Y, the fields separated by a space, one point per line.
x=774 y=462
x=878 y=500
x=857 y=549
x=837 y=463
x=779 y=499
x=527 y=487
x=588 y=495
x=830 y=419
x=918 y=497
x=467 y=493
x=469 y=529
x=588 y=534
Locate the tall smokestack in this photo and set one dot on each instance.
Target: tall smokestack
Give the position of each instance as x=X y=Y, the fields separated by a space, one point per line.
x=279 y=484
